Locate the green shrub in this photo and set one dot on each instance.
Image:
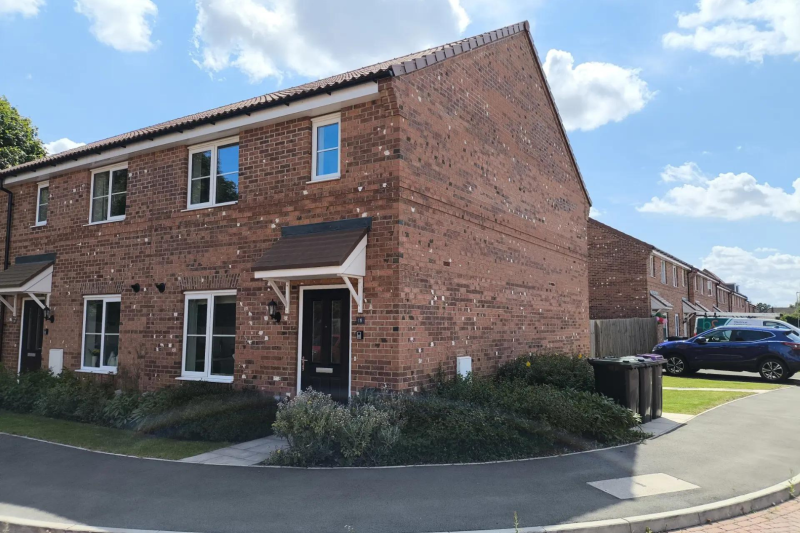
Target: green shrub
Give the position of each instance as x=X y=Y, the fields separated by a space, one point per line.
x=20 y=393
x=119 y=411
x=232 y=416
x=558 y=370
x=582 y=415
x=72 y=398
x=435 y=429
x=323 y=432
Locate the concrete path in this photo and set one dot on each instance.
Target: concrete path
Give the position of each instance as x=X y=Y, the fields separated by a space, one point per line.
x=666 y=423
x=733 y=450
x=784 y=518
x=716 y=389
x=243 y=454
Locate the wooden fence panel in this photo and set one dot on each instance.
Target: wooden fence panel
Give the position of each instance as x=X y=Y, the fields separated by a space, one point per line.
x=622 y=336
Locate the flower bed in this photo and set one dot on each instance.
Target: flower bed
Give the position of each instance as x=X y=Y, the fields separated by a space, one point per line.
x=529 y=408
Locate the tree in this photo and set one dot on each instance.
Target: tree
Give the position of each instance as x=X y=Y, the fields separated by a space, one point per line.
x=19 y=138
x=763 y=308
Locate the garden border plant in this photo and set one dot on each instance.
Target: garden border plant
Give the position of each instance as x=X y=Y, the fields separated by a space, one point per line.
x=190 y=411
x=536 y=405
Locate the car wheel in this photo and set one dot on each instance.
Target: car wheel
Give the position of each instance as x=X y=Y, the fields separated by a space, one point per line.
x=773 y=370
x=677 y=366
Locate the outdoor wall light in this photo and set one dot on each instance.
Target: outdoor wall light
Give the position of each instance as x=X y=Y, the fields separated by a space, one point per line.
x=48 y=315
x=272 y=310
x=161 y=287
x=136 y=287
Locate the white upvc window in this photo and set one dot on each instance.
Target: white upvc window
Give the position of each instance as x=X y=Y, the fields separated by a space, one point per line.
x=677 y=325
x=209 y=336
x=652 y=266
x=326 y=140
x=663 y=272
x=101 y=321
x=674 y=276
x=42 y=203
x=683 y=278
x=710 y=288
x=109 y=194
x=213 y=174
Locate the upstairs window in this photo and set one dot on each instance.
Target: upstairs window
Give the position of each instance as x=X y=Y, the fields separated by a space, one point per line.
x=109 y=194
x=663 y=272
x=214 y=174
x=652 y=266
x=42 y=202
x=674 y=276
x=683 y=277
x=326 y=144
x=710 y=288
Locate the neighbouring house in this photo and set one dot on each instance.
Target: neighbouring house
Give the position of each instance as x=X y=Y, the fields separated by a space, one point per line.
x=359 y=231
x=629 y=278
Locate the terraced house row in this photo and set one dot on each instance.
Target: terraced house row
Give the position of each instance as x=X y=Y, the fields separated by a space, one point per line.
x=629 y=278
x=359 y=231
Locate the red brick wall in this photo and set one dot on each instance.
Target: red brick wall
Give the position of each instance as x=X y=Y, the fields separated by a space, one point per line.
x=618 y=274
x=671 y=293
x=493 y=214
x=478 y=244
x=159 y=241
x=701 y=293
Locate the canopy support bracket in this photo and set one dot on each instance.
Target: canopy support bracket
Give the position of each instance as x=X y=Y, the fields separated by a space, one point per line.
x=358 y=295
x=283 y=296
x=36 y=299
x=11 y=307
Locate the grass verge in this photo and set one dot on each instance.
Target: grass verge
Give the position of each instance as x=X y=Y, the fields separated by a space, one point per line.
x=101 y=438
x=698 y=383
x=695 y=402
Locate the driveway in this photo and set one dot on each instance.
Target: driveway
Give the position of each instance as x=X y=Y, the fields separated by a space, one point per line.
x=733 y=450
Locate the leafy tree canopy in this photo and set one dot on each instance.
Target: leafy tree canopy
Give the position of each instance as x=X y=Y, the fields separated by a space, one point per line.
x=763 y=308
x=19 y=138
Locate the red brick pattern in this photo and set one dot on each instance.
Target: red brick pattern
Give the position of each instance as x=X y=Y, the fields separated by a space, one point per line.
x=478 y=243
x=784 y=518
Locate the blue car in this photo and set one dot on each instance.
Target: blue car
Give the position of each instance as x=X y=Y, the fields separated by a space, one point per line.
x=774 y=353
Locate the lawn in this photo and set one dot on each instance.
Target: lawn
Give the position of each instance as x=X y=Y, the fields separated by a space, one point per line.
x=101 y=438
x=695 y=402
x=698 y=383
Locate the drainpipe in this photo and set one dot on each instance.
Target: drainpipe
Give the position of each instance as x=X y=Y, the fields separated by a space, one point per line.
x=6 y=253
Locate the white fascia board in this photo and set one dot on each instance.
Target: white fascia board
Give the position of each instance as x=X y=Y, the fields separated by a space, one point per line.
x=671 y=260
x=313 y=105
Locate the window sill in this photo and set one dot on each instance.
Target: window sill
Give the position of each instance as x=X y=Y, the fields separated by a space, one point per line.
x=43 y=224
x=96 y=371
x=332 y=177
x=211 y=379
x=110 y=221
x=201 y=207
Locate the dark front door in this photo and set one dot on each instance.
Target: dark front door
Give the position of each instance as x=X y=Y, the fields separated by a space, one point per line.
x=31 y=347
x=325 y=354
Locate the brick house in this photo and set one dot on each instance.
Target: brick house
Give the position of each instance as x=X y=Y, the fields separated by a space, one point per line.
x=629 y=278
x=358 y=231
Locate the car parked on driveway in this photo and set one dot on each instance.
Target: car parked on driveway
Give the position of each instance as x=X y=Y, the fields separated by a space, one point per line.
x=774 y=353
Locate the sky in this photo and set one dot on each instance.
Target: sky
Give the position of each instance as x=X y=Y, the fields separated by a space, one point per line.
x=682 y=114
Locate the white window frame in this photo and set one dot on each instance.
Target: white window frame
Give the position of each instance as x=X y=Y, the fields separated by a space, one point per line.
x=316 y=123
x=710 y=286
x=212 y=193
x=652 y=266
x=106 y=298
x=110 y=170
x=683 y=277
x=663 y=272
x=677 y=325
x=206 y=374
x=674 y=276
x=42 y=185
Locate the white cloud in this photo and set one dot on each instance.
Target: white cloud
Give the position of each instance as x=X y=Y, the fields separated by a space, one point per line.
x=686 y=173
x=744 y=29
x=61 y=145
x=123 y=25
x=277 y=38
x=774 y=279
x=767 y=250
x=593 y=94
x=730 y=197
x=26 y=8
x=594 y=212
